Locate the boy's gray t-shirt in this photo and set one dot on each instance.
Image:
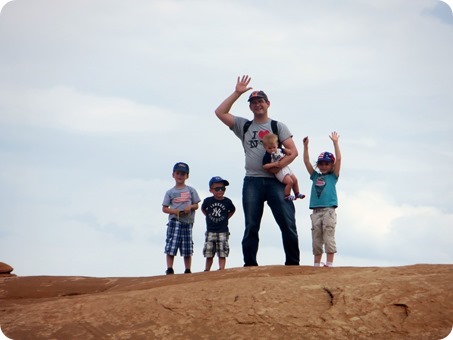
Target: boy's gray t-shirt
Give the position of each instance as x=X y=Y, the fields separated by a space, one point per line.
x=253 y=146
x=179 y=199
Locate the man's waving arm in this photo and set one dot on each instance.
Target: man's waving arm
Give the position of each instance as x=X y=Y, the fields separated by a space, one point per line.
x=223 y=111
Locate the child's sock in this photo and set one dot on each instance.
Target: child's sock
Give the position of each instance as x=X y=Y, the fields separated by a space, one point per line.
x=329 y=264
x=317 y=264
x=299 y=195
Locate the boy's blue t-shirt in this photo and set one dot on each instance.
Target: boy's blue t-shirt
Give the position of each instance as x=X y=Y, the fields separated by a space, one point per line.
x=323 y=190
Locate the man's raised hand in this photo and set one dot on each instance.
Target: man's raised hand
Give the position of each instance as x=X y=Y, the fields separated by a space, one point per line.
x=242 y=84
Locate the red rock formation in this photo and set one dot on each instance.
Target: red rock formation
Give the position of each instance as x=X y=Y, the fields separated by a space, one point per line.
x=271 y=302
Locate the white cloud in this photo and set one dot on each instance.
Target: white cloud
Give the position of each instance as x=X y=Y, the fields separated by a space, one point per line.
x=368 y=209
x=375 y=222
x=65 y=108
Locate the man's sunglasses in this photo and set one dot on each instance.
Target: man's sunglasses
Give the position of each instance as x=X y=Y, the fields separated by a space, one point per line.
x=219 y=188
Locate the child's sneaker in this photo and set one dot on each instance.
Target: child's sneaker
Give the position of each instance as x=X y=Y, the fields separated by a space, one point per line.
x=328 y=265
x=169 y=271
x=289 y=198
x=300 y=196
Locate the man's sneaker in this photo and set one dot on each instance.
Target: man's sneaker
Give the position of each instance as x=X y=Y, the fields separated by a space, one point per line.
x=301 y=196
x=169 y=271
x=289 y=198
x=187 y=271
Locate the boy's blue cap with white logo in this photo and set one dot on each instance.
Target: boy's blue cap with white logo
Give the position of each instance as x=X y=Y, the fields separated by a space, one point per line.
x=326 y=157
x=218 y=179
x=181 y=167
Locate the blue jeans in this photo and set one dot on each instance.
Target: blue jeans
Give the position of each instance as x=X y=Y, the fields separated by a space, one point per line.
x=255 y=192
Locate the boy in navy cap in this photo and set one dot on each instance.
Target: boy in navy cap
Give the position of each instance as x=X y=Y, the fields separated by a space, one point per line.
x=218 y=210
x=180 y=203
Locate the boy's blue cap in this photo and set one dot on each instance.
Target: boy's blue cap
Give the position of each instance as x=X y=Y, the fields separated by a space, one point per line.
x=181 y=167
x=218 y=179
x=326 y=157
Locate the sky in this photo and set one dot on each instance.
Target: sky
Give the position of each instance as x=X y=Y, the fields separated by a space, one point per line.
x=99 y=99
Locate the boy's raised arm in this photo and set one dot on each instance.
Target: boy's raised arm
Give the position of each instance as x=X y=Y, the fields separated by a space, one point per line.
x=334 y=136
x=307 y=157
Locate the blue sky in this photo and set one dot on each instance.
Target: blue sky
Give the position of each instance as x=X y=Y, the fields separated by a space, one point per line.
x=99 y=99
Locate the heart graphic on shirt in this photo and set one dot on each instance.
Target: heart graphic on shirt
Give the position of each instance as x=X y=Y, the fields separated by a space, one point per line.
x=263 y=133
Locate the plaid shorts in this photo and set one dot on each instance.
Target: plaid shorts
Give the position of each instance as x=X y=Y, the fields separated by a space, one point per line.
x=179 y=236
x=323 y=222
x=216 y=243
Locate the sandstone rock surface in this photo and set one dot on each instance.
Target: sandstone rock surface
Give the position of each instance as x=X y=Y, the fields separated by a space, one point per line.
x=269 y=302
x=5 y=268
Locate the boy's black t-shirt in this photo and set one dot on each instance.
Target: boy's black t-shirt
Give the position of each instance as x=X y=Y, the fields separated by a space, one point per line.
x=217 y=212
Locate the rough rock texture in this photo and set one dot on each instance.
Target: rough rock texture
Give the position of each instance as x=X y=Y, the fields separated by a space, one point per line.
x=272 y=302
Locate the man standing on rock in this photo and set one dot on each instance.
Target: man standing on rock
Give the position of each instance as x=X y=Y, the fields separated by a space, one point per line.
x=259 y=185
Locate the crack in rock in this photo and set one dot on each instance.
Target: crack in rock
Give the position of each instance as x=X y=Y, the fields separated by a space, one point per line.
x=327 y=290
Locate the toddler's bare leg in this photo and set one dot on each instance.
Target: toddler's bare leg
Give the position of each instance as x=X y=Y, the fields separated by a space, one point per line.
x=295 y=184
x=288 y=182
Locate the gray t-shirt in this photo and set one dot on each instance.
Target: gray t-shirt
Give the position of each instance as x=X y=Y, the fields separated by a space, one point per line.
x=179 y=199
x=253 y=146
